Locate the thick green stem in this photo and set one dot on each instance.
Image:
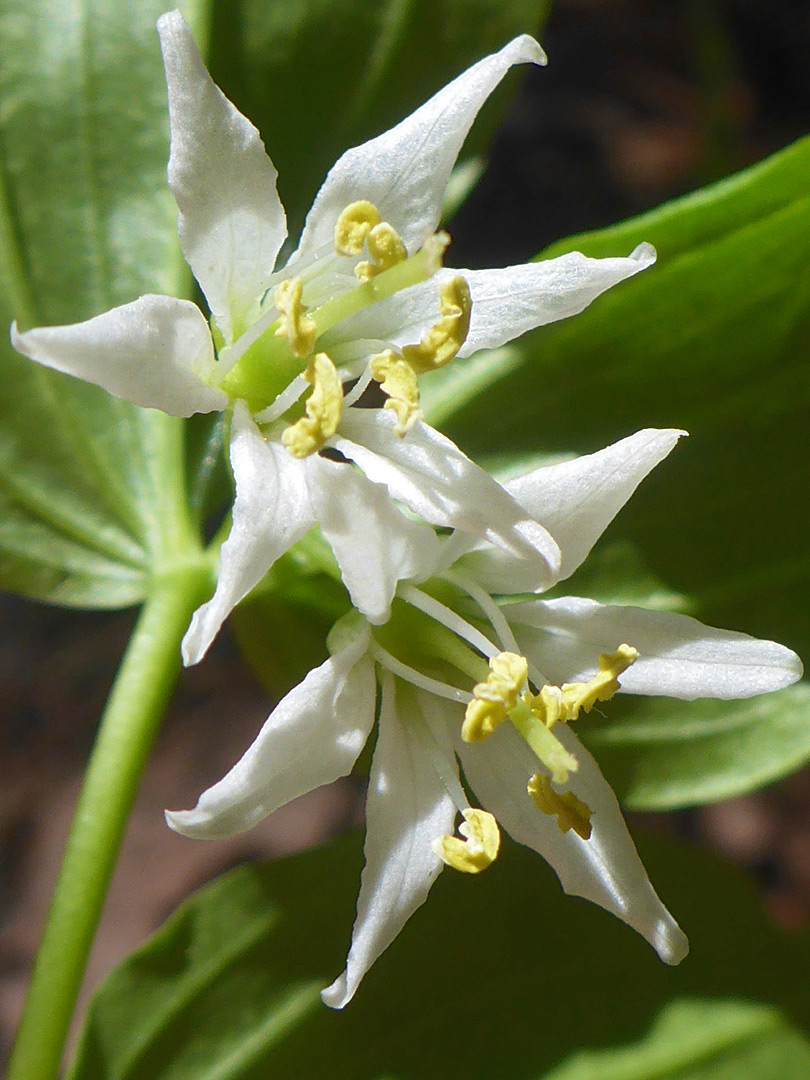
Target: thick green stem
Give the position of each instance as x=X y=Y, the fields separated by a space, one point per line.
x=127 y=731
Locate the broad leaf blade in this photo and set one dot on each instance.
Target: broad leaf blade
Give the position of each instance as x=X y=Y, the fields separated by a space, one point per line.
x=495 y=976
x=86 y=222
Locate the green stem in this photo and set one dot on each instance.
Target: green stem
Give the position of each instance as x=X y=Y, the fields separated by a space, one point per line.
x=127 y=731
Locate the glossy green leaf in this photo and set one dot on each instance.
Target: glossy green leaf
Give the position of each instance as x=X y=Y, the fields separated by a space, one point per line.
x=714 y=338
x=700 y=1040
x=319 y=77
x=499 y=975
x=663 y=754
x=89 y=486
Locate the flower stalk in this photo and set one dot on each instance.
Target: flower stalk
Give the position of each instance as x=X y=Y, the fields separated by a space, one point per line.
x=127 y=731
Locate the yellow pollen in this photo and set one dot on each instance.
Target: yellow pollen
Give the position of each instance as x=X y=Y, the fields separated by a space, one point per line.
x=398 y=379
x=386 y=249
x=324 y=408
x=296 y=326
x=478 y=850
x=441 y=343
x=493 y=699
x=354 y=225
x=564 y=703
x=571 y=812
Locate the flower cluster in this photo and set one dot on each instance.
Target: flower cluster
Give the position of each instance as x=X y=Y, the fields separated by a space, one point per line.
x=442 y=649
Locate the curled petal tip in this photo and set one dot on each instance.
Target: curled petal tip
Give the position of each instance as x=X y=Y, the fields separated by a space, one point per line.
x=644 y=253
x=671 y=943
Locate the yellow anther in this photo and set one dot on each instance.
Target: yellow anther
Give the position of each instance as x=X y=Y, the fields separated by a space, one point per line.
x=296 y=326
x=398 y=380
x=386 y=250
x=565 y=702
x=324 y=407
x=354 y=225
x=478 y=850
x=571 y=812
x=441 y=343
x=493 y=699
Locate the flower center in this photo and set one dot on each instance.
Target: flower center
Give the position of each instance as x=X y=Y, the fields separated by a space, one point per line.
x=279 y=347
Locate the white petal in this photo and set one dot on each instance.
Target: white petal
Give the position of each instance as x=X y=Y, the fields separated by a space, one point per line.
x=312 y=737
x=231 y=221
x=375 y=545
x=508 y=302
x=270 y=513
x=678 y=656
x=154 y=352
x=405 y=170
x=505 y=303
x=430 y=475
x=605 y=869
x=576 y=500
x=407 y=808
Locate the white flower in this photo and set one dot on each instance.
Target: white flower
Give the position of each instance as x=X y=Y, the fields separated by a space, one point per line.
x=532 y=775
x=331 y=320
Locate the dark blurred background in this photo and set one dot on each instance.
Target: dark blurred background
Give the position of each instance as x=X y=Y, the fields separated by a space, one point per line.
x=641 y=101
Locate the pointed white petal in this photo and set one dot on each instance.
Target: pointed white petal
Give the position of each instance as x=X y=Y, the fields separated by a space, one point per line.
x=576 y=501
x=231 y=221
x=312 y=737
x=375 y=545
x=430 y=475
x=154 y=352
x=505 y=303
x=271 y=512
x=678 y=656
x=508 y=302
x=605 y=869
x=405 y=170
x=407 y=808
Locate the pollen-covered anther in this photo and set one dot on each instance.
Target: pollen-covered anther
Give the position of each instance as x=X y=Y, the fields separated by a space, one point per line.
x=354 y=225
x=570 y=811
x=323 y=409
x=564 y=703
x=386 y=249
x=493 y=699
x=441 y=343
x=298 y=327
x=397 y=379
x=478 y=849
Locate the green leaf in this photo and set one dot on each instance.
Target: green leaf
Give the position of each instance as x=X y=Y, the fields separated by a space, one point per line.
x=714 y=338
x=498 y=975
x=663 y=754
x=319 y=77
x=700 y=1040
x=90 y=489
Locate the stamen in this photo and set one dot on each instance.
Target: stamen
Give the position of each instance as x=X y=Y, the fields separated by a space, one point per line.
x=564 y=703
x=397 y=379
x=447 y=617
x=493 y=699
x=386 y=249
x=416 y=678
x=297 y=327
x=487 y=605
x=324 y=407
x=477 y=850
x=354 y=225
x=285 y=399
x=441 y=343
x=571 y=812
x=358 y=389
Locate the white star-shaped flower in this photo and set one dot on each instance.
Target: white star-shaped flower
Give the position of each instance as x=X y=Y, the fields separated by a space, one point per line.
x=492 y=686
x=363 y=297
